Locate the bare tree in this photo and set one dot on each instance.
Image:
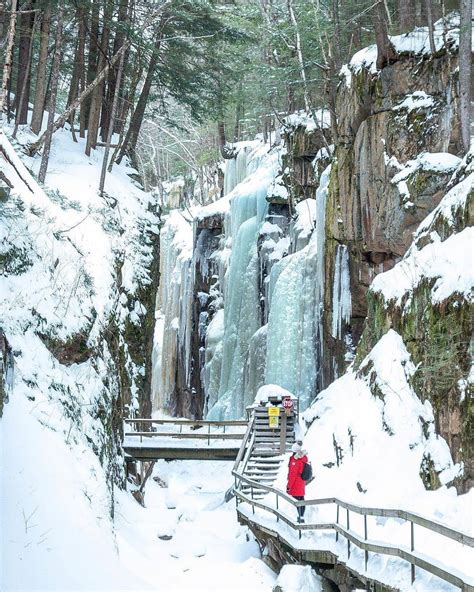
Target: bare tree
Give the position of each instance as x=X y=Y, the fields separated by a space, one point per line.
x=52 y=101
x=299 y=53
x=465 y=64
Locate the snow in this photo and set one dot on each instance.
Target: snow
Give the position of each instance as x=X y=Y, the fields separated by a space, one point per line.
x=415 y=101
x=55 y=528
x=454 y=201
x=367 y=436
x=298 y=578
x=268 y=391
x=439 y=162
x=416 y=43
x=208 y=549
x=56 y=531
x=306 y=120
x=449 y=265
x=305 y=221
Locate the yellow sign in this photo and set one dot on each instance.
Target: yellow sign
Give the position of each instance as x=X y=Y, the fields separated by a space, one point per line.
x=273 y=415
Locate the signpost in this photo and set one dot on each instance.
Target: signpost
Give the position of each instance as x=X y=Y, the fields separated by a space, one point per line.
x=273 y=415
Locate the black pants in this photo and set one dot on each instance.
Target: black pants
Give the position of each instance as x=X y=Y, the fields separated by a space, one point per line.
x=301 y=509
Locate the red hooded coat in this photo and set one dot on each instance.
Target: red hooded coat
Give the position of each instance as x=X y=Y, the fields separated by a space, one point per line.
x=296 y=485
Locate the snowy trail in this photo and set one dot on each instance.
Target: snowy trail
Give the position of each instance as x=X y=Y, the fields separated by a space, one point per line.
x=208 y=550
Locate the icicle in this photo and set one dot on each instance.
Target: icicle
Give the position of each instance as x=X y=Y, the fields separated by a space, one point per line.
x=341 y=292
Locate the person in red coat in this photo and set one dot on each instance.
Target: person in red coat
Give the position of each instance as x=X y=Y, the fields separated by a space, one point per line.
x=296 y=486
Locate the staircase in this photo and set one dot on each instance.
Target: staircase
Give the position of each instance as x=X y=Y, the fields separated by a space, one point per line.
x=263 y=451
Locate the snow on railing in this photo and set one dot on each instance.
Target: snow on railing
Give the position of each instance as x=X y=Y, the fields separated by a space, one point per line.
x=416 y=559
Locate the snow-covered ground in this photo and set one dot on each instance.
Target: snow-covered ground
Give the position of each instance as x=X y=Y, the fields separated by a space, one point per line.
x=57 y=534
x=206 y=548
x=56 y=497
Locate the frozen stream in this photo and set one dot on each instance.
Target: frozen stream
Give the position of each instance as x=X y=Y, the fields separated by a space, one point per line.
x=208 y=550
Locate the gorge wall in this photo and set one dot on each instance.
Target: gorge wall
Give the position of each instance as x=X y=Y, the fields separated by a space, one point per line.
x=272 y=283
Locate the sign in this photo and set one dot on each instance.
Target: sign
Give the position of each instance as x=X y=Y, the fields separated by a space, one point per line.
x=273 y=416
x=288 y=405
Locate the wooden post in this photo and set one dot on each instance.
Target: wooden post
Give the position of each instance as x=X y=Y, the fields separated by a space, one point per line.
x=366 y=553
x=348 y=541
x=283 y=431
x=208 y=433
x=337 y=521
x=278 y=516
x=412 y=546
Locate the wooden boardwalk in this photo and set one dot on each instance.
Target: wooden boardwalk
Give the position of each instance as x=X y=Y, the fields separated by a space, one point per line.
x=182 y=439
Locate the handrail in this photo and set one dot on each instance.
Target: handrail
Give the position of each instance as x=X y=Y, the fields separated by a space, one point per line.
x=414 y=558
x=199 y=422
x=240 y=454
x=185 y=435
x=438 y=527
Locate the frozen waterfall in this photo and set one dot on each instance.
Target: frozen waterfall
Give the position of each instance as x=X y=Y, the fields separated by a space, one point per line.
x=295 y=320
x=174 y=302
x=242 y=313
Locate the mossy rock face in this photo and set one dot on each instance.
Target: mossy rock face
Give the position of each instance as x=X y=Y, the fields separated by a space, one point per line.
x=438 y=337
x=299 y=175
x=75 y=350
x=6 y=369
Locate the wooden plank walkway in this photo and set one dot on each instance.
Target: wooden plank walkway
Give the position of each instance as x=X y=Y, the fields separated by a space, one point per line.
x=182 y=439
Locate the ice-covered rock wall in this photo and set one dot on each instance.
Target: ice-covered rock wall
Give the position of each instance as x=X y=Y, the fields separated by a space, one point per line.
x=286 y=257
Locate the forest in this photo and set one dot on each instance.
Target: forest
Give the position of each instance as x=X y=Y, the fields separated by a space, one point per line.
x=155 y=81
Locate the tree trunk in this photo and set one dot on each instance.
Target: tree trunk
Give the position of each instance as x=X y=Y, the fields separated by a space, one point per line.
x=82 y=59
x=299 y=53
x=386 y=53
x=465 y=64
x=23 y=78
x=7 y=66
x=113 y=73
x=111 y=125
x=77 y=80
x=41 y=78
x=97 y=94
x=92 y=58
x=26 y=81
x=131 y=138
x=429 y=17
x=52 y=102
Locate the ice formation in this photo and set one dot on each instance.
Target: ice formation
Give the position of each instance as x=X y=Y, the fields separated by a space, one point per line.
x=341 y=292
x=295 y=322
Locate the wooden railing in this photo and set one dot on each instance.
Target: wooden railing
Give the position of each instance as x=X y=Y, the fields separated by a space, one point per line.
x=185 y=429
x=415 y=559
